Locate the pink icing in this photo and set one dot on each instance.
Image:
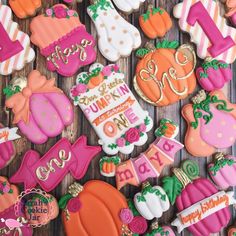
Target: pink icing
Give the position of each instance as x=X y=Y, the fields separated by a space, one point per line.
x=8 y=48
x=74 y=204
x=65 y=44
x=233 y=19
x=7 y=150
x=220 y=132
x=219 y=44
x=138 y=225
x=132 y=135
x=50 y=113
x=78 y=155
x=126 y=216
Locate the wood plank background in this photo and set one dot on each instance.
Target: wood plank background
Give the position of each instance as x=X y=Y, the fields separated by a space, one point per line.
x=81 y=125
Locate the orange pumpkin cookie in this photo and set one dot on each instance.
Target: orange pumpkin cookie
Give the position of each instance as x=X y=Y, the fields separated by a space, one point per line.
x=156 y=22
x=25 y=8
x=93 y=210
x=165 y=74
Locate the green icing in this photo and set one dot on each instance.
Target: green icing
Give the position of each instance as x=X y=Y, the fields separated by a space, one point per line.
x=112 y=146
x=220 y=164
x=152 y=12
x=100 y=4
x=150 y=189
x=87 y=77
x=132 y=207
x=160 y=231
x=172 y=187
x=205 y=106
x=191 y=169
x=142 y=52
x=115 y=160
x=163 y=127
x=11 y=90
x=64 y=200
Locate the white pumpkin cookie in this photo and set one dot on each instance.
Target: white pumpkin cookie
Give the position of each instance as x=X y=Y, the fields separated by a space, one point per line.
x=128 y=6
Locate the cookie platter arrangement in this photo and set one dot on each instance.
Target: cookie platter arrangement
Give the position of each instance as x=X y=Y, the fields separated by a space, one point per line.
x=92 y=147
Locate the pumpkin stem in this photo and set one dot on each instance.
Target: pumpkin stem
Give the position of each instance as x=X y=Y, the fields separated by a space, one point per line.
x=145 y=184
x=150 y=46
x=219 y=156
x=182 y=177
x=201 y=96
x=75 y=189
x=208 y=59
x=150 y=7
x=154 y=225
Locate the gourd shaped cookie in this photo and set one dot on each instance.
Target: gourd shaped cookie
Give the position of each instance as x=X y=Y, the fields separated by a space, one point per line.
x=165 y=74
x=63 y=40
x=207 y=28
x=201 y=207
x=93 y=209
x=128 y=6
x=25 y=8
x=111 y=108
x=40 y=109
x=116 y=37
x=15 y=50
x=211 y=123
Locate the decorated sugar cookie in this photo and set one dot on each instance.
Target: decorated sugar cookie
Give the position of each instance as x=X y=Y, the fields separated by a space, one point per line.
x=211 y=121
x=25 y=8
x=93 y=209
x=61 y=159
x=207 y=28
x=223 y=170
x=15 y=50
x=7 y=147
x=108 y=165
x=128 y=6
x=10 y=224
x=165 y=74
x=63 y=40
x=213 y=74
x=201 y=207
x=231 y=10
x=40 y=109
x=157 y=230
x=156 y=22
x=150 y=163
x=116 y=37
x=232 y=231
x=152 y=201
x=111 y=108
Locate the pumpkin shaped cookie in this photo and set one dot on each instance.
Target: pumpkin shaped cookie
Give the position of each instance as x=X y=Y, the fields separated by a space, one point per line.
x=165 y=74
x=93 y=209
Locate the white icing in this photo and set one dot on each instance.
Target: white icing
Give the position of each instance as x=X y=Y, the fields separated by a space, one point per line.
x=128 y=6
x=117 y=37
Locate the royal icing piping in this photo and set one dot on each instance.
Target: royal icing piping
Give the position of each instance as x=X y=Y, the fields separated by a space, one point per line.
x=128 y=6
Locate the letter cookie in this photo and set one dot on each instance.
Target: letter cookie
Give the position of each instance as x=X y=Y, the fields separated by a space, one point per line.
x=25 y=8
x=207 y=28
x=116 y=37
x=63 y=40
x=40 y=109
x=111 y=108
x=128 y=6
x=211 y=123
x=15 y=50
x=165 y=74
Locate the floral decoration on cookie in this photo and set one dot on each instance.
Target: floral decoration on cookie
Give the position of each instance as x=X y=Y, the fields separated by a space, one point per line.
x=61 y=159
x=150 y=163
x=111 y=108
x=207 y=28
x=201 y=207
x=213 y=74
x=156 y=22
x=231 y=10
x=108 y=165
x=128 y=6
x=40 y=109
x=15 y=50
x=104 y=219
x=7 y=147
x=157 y=230
x=116 y=37
x=223 y=170
x=25 y=8
x=11 y=224
x=165 y=74
x=149 y=197
x=167 y=129
x=63 y=40
x=211 y=123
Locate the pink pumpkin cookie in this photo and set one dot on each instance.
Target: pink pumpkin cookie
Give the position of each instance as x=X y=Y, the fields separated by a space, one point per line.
x=211 y=123
x=41 y=110
x=63 y=40
x=157 y=230
x=223 y=170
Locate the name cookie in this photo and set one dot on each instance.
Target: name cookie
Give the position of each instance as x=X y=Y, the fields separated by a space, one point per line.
x=15 y=50
x=111 y=108
x=127 y=5
x=207 y=28
x=63 y=40
x=116 y=37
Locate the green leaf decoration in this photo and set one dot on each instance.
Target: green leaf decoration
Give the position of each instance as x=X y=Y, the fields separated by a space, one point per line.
x=159 y=230
x=167 y=44
x=132 y=207
x=64 y=200
x=161 y=130
x=172 y=187
x=142 y=52
x=147 y=121
x=152 y=11
x=191 y=169
x=10 y=191
x=100 y=4
x=112 y=146
x=220 y=164
x=115 y=160
x=11 y=90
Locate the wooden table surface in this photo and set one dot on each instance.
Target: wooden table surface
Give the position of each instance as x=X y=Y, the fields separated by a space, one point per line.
x=81 y=125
